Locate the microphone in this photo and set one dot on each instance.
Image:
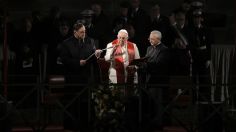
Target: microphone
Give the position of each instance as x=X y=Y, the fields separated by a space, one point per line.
x=114 y=46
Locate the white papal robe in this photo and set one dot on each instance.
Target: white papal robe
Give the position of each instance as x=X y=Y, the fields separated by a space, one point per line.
x=125 y=55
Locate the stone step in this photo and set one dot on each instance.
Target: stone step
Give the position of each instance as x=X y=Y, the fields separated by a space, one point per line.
x=174 y=129
x=47 y=129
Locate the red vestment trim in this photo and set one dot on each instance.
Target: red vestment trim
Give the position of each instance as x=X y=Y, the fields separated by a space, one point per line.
x=119 y=61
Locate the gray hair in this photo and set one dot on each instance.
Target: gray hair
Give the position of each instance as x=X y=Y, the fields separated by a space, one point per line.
x=158 y=33
x=124 y=31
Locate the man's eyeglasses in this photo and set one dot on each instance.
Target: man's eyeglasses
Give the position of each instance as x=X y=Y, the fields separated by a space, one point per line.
x=81 y=31
x=122 y=37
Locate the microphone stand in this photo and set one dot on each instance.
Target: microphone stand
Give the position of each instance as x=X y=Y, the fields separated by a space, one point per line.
x=95 y=52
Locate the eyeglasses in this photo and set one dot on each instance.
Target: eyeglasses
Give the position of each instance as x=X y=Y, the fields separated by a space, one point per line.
x=81 y=31
x=122 y=38
x=153 y=39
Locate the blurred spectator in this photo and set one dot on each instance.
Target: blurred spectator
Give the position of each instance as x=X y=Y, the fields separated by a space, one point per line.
x=121 y=19
x=181 y=57
x=51 y=24
x=159 y=22
x=200 y=46
x=27 y=55
x=39 y=30
x=172 y=20
x=132 y=35
x=86 y=19
x=102 y=23
x=8 y=34
x=185 y=6
x=140 y=20
x=87 y=15
x=196 y=4
x=54 y=64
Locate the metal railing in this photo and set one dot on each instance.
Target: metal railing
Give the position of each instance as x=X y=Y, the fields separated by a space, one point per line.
x=36 y=92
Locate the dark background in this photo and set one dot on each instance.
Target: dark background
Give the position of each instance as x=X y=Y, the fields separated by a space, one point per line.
x=221 y=12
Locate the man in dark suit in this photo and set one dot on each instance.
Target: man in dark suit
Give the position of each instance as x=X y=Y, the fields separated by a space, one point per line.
x=201 y=40
x=158 y=56
x=75 y=50
x=75 y=55
x=157 y=77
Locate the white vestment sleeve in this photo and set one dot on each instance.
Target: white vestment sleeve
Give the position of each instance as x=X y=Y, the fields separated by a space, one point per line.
x=108 y=52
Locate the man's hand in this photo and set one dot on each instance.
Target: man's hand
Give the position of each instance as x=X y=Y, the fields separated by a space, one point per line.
x=82 y=62
x=98 y=53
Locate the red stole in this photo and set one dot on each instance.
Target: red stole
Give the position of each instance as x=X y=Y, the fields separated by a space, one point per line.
x=119 y=61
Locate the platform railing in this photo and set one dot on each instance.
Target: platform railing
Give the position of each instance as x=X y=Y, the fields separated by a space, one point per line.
x=42 y=93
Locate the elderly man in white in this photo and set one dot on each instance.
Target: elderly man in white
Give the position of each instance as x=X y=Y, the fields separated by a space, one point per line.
x=120 y=53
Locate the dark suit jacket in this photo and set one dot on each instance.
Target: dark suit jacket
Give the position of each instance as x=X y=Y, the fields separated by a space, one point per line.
x=157 y=63
x=72 y=51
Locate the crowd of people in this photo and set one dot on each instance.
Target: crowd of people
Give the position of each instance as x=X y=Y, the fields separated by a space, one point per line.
x=184 y=30
x=178 y=44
